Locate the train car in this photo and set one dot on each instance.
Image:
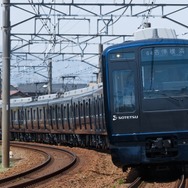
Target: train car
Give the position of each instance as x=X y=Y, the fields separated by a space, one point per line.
x=145 y=83
x=73 y=118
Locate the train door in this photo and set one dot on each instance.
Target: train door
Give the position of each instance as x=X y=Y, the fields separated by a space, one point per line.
x=121 y=87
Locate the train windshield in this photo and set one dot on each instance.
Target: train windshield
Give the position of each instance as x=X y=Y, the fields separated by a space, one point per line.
x=164 y=71
x=124 y=94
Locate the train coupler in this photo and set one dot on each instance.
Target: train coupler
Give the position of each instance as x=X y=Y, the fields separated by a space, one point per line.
x=161 y=147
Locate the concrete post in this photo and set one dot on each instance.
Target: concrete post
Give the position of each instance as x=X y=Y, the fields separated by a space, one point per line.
x=6 y=84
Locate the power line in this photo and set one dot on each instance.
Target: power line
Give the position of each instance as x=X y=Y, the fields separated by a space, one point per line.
x=51 y=37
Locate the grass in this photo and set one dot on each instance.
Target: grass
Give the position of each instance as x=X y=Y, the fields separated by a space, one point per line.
x=118 y=183
x=121 y=181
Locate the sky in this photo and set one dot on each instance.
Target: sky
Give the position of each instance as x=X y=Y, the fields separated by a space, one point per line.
x=85 y=72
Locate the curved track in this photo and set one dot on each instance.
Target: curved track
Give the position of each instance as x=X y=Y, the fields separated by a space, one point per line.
x=182 y=182
x=171 y=177
x=56 y=161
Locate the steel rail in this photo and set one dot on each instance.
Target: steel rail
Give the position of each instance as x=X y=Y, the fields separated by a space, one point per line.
x=29 y=180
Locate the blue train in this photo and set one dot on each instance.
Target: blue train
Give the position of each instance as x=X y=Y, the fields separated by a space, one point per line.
x=74 y=118
x=145 y=84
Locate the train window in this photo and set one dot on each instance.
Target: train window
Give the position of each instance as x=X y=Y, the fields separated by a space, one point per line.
x=123 y=91
x=87 y=109
x=48 y=113
x=81 y=109
x=21 y=114
x=28 y=114
x=12 y=114
x=65 y=112
x=40 y=114
x=76 y=111
x=164 y=71
x=52 y=111
x=15 y=115
x=34 y=114
x=58 y=112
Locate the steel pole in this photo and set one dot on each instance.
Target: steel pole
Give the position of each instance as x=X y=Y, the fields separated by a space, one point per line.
x=50 y=76
x=6 y=84
x=100 y=63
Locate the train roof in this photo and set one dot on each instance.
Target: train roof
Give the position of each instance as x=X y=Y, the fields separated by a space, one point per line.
x=92 y=90
x=147 y=42
x=141 y=40
x=153 y=33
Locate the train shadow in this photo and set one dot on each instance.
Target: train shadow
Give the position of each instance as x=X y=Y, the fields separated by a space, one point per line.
x=158 y=174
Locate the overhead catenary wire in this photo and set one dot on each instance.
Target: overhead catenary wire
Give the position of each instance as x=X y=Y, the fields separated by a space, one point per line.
x=44 y=22
x=42 y=42
x=113 y=22
x=146 y=16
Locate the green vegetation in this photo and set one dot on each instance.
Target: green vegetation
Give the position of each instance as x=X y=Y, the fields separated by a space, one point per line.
x=121 y=181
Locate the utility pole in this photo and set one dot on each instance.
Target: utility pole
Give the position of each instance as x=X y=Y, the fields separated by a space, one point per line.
x=50 y=76
x=99 y=80
x=6 y=84
x=0 y=84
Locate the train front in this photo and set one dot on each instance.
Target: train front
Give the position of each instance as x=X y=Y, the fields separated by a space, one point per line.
x=146 y=101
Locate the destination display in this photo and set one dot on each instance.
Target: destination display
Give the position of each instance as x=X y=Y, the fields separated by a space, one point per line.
x=164 y=53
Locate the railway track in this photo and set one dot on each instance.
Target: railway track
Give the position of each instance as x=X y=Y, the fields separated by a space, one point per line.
x=150 y=180
x=55 y=162
x=182 y=182
x=136 y=183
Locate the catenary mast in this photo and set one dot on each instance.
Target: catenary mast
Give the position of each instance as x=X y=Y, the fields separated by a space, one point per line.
x=6 y=83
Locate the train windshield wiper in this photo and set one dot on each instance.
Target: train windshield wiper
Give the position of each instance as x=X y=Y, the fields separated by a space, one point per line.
x=166 y=95
x=184 y=90
x=156 y=93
